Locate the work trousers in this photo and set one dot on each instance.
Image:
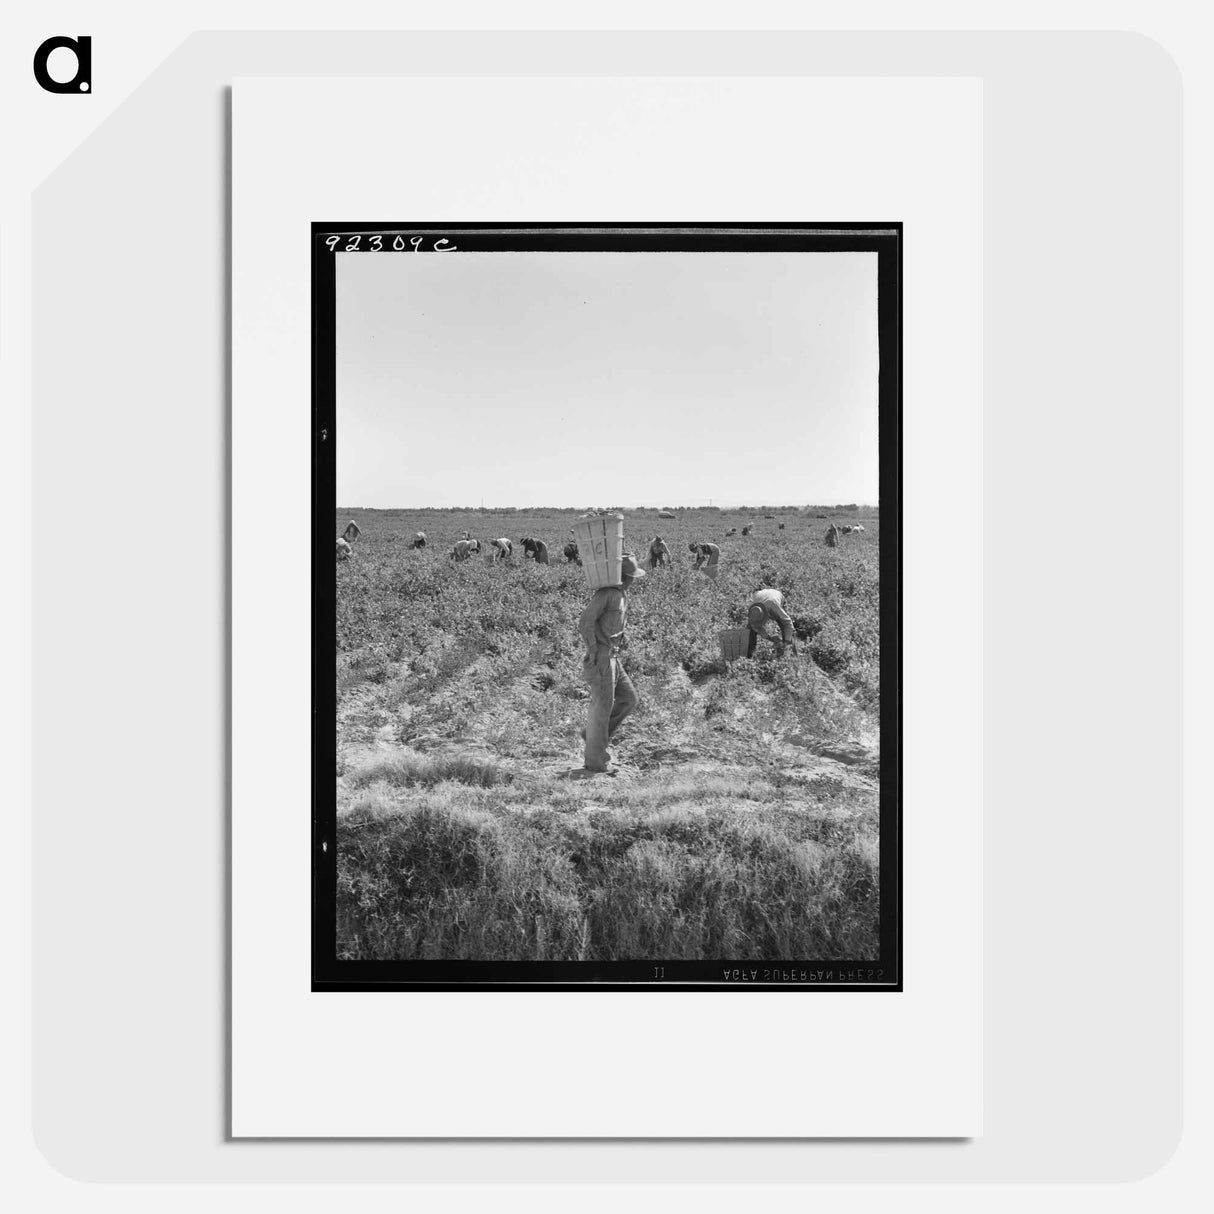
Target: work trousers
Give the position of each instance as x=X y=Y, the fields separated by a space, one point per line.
x=787 y=636
x=612 y=698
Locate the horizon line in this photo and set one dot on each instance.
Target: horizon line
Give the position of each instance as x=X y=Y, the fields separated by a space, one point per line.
x=625 y=509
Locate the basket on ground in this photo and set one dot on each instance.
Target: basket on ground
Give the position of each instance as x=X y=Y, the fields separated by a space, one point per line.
x=600 y=544
x=734 y=642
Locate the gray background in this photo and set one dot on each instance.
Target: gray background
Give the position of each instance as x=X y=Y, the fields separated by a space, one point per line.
x=1082 y=616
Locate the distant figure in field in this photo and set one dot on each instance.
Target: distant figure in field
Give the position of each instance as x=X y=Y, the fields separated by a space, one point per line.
x=419 y=540
x=535 y=548
x=344 y=551
x=708 y=558
x=465 y=548
x=612 y=695
x=352 y=532
x=731 y=531
x=853 y=527
x=659 y=554
x=746 y=529
x=571 y=553
x=832 y=536
x=500 y=550
x=767 y=605
x=781 y=526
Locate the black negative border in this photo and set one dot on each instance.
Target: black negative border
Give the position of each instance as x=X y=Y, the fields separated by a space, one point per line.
x=329 y=974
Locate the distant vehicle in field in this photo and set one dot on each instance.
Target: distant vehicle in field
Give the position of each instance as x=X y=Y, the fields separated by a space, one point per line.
x=665 y=514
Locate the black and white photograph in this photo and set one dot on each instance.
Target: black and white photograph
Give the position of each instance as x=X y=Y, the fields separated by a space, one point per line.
x=606 y=662
x=573 y=482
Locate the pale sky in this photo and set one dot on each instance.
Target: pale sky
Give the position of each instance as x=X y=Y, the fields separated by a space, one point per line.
x=606 y=379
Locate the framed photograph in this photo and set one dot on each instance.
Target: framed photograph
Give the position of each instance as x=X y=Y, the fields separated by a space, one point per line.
x=591 y=639
x=606 y=663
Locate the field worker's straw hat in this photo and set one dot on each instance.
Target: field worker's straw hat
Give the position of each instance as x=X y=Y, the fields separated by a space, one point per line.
x=755 y=616
x=629 y=566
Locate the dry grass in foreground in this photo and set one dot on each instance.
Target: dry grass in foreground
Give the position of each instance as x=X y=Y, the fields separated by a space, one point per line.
x=523 y=872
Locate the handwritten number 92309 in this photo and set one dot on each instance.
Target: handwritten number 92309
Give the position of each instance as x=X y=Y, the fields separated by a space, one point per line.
x=376 y=244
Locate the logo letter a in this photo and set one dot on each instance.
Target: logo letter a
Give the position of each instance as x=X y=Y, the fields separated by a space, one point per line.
x=82 y=48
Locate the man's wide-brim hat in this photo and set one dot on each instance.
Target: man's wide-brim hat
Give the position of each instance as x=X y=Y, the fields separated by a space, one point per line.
x=629 y=567
x=755 y=616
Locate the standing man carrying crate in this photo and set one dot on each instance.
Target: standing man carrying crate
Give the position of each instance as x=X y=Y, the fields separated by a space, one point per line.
x=612 y=695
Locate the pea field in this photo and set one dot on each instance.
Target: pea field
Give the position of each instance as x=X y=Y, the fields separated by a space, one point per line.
x=743 y=823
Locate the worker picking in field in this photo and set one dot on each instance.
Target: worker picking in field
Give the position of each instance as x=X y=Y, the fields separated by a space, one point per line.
x=352 y=532
x=465 y=548
x=419 y=540
x=708 y=558
x=535 y=548
x=344 y=551
x=500 y=549
x=659 y=554
x=612 y=695
x=571 y=553
x=767 y=605
x=832 y=536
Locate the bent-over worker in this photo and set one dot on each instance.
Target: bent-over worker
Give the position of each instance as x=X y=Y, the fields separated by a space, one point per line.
x=535 y=548
x=766 y=605
x=659 y=554
x=708 y=557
